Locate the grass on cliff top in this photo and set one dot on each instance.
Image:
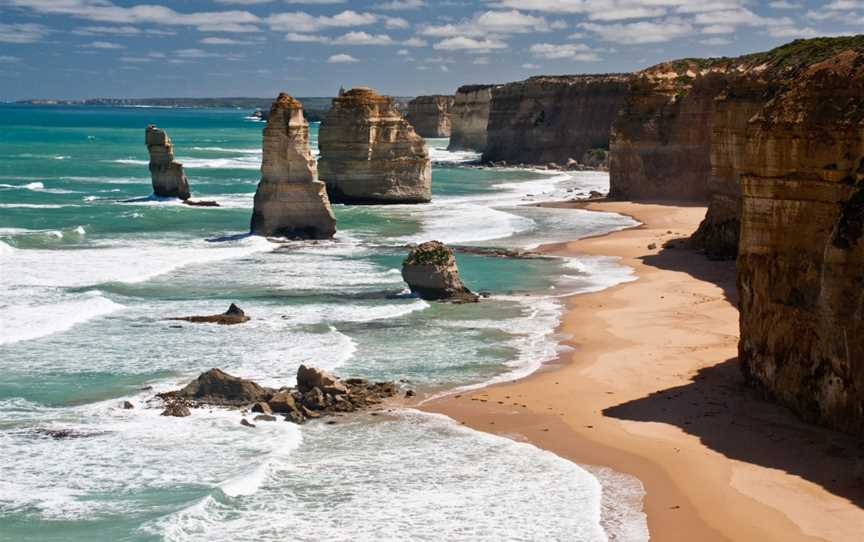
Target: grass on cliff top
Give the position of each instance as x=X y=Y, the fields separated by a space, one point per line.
x=794 y=54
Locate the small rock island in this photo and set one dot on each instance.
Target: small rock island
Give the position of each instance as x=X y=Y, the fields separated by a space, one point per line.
x=431 y=273
x=169 y=179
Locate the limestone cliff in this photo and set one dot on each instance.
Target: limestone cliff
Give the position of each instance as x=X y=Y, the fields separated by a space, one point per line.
x=167 y=175
x=553 y=118
x=290 y=200
x=801 y=252
x=371 y=154
x=430 y=115
x=469 y=117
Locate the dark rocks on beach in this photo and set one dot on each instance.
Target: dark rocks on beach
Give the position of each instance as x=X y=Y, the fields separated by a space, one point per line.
x=431 y=273
x=60 y=434
x=247 y=423
x=126 y=405
x=234 y=315
x=264 y=418
x=319 y=393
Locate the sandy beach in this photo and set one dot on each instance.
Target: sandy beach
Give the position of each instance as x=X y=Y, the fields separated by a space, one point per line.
x=651 y=387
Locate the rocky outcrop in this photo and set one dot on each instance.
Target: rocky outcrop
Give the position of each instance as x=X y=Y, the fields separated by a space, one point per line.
x=661 y=140
x=431 y=273
x=318 y=393
x=553 y=119
x=801 y=252
x=290 y=200
x=469 y=117
x=370 y=154
x=234 y=315
x=168 y=178
x=430 y=115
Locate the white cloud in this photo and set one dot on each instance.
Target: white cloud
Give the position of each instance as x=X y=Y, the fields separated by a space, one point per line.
x=22 y=33
x=716 y=41
x=341 y=58
x=481 y=60
x=396 y=22
x=400 y=5
x=642 y=31
x=414 y=42
x=489 y=22
x=103 y=45
x=783 y=4
x=224 y=41
x=7 y=59
x=363 y=38
x=296 y=37
x=469 y=44
x=302 y=22
x=570 y=51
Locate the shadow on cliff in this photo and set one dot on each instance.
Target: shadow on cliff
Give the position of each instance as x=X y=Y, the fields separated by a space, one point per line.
x=732 y=418
x=687 y=260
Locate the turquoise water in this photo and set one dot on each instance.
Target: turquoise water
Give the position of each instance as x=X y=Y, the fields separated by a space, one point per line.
x=87 y=279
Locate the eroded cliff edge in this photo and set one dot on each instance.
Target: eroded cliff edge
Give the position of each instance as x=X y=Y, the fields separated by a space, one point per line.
x=430 y=115
x=553 y=118
x=801 y=253
x=469 y=117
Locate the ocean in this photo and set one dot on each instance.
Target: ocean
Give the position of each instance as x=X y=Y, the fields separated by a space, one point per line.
x=88 y=278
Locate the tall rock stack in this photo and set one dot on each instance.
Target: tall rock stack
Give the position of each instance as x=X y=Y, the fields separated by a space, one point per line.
x=169 y=180
x=801 y=251
x=430 y=115
x=553 y=118
x=469 y=117
x=290 y=200
x=370 y=154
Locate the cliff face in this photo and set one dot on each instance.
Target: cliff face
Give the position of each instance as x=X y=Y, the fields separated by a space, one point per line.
x=370 y=154
x=553 y=119
x=469 y=117
x=430 y=115
x=290 y=200
x=168 y=178
x=661 y=141
x=801 y=253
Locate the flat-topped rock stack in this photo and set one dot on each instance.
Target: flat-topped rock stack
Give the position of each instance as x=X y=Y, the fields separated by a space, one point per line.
x=430 y=115
x=469 y=117
x=370 y=154
x=290 y=200
x=169 y=180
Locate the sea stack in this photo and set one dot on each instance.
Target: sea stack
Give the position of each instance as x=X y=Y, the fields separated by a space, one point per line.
x=431 y=273
x=169 y=180
x=370 y=154
x=290 y=200
x=430 y=115
x=469 y=117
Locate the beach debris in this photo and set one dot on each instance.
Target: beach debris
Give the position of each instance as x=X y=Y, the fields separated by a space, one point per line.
x=234 y=315
x=317 y=394
x=431 y=273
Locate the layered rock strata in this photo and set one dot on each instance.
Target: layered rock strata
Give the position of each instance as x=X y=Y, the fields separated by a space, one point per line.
x=801 y=251
x=318 y=393
x=469 y=117
x=431 y=273
x=290 y=200
x=553 y=119
x=370 y=154
x=169 y=180
x=430 y=115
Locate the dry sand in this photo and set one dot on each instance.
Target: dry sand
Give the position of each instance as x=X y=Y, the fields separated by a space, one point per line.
x=652 y=388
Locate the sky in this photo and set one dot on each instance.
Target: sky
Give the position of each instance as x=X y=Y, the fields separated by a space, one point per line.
x=72 y=49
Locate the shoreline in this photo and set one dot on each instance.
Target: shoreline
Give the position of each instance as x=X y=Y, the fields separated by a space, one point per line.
x=650 y=387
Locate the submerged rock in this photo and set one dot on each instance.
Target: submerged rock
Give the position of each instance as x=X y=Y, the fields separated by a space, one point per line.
x=290 y=200
x=176 y=410
x=370 y=154
x=168 y=178
x=430 y=271
x=234 y=315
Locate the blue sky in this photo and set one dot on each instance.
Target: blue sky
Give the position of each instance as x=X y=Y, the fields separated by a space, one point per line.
x=127 y=48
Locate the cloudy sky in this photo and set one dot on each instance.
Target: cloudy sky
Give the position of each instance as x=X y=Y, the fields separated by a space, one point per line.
x=127 y=48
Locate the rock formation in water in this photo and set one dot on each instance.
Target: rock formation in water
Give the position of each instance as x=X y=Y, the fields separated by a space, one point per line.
x=234 y=315
x=169 y=180
x=430 y=115
x=370 y=154
x=431 y=273
x=290 y=200
x=318 y=393
x=469 y=116
x=553 y=118
x=801 y=252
